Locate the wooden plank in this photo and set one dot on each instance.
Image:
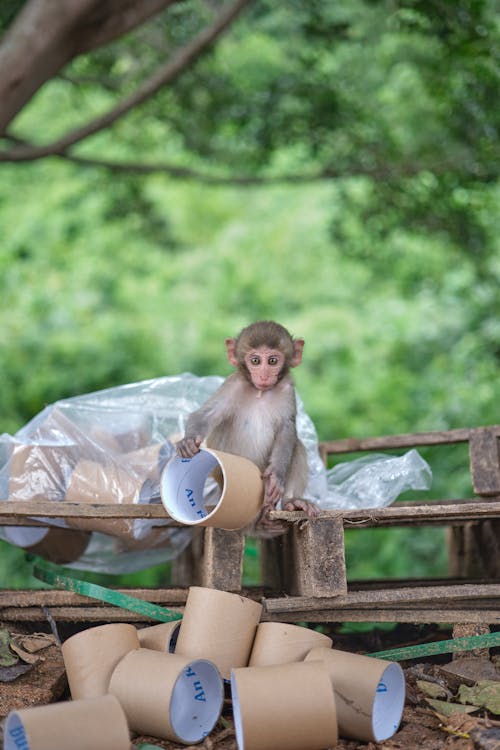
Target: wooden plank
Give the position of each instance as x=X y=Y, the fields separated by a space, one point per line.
x=440 y=511
x=386 y=442
x=484 y=454
x=427 y=513
x=90 y=614
x=25 y=509
x=75 y=614
x=434 y=615
x=59 y=598
x=393 y=597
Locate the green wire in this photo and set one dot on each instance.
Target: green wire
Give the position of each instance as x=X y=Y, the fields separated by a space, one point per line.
x=52 y=575
x=467 y=643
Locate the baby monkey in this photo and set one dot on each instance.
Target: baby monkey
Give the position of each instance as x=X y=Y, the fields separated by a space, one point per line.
x=253 y=415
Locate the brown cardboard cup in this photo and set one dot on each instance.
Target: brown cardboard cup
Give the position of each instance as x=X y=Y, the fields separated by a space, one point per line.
x=162 y=637
x=189 y=497
x=218 y=626
x=91 y=656
x=370 y=693
x=284 y=707
x=98 y=723
x=93 y=482
x=168 y=696
x=54 y=544
x=281 y=643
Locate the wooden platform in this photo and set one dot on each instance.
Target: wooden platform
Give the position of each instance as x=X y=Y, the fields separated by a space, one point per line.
x=304 y=571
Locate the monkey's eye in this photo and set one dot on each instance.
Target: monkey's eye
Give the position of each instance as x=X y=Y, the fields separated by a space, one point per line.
x=255 y=360
x=273 y=361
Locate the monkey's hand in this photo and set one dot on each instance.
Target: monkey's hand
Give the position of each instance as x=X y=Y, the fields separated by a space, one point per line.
x=274 y=486
x=307 y=506
x=188 y=446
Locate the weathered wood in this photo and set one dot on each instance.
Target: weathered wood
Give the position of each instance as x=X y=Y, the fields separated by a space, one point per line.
x=222 y=561
x=20 y=511
x=59 y=598
x=315 y=558
x=438 y=512
x=484 y=455
x=392 y=597
x=417 y=616
x=387 y=442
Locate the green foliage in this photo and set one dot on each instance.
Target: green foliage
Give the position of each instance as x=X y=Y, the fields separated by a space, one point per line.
x=390 y=268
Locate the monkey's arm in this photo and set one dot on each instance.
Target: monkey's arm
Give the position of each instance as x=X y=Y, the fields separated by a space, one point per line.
x=202 y=421
x=280 y=459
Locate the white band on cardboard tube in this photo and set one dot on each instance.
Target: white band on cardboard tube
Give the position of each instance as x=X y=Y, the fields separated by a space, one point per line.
x=370 y=693
x=281 y=643
x=284 y=707
x=189 y=498
x=97 y=723
x=168 y=696
x=91 y=656
x=219 y=626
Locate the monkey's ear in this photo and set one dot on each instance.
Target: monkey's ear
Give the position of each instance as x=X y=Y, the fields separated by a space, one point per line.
x=231 y=352
x=298 y=346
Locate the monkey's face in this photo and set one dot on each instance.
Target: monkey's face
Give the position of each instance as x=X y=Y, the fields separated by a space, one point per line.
x=264 y=366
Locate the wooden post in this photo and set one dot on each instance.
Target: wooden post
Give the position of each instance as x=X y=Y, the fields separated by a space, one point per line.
x=222 y=561
x=484 y=454
x=315 y=559
x=213 y=559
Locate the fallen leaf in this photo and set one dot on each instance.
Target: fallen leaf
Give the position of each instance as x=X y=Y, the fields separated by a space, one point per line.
x=25 y=655
x=33 y=643
x=485 y=694
x=7 y=658
x=445 y=708
x=432 y=689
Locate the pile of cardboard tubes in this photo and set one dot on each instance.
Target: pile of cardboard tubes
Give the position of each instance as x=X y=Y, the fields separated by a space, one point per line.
x=290 y=689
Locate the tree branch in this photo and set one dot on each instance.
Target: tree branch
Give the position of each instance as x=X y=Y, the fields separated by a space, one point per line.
x=47 y=35
x=164 y=75
x=377 y=172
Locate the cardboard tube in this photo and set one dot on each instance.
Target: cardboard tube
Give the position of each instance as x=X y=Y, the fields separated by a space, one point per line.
x=168 y=696
x=235 y=504
x=97 y=723
x=91 y=656
x=92 y=482
x=40 y=471
x=218 y=626
x=284 y=707
x=281 y=643
x=370 y=693
x=61 y=545
x=54 y=544
x=161 y=637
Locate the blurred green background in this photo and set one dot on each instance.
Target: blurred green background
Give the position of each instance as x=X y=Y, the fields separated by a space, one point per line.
x=341 y=178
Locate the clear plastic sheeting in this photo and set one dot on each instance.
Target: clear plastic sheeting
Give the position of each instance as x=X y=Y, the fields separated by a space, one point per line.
x=375 y=481
x=111 y=446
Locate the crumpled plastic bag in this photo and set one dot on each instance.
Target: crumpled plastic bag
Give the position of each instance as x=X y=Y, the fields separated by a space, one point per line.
x=111 y=446
x=375 y=481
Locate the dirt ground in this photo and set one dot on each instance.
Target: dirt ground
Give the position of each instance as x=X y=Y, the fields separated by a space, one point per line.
x=434 y=717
